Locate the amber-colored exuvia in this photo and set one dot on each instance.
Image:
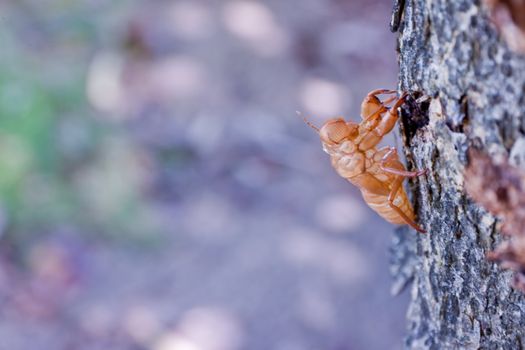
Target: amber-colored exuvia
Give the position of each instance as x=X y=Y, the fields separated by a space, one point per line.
x=378 y=173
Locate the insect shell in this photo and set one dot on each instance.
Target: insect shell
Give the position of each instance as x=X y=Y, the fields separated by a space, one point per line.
x=378 y=173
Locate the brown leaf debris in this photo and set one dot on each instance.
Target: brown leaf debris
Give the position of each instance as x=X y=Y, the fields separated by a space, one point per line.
x=509 y=18
x=500 y=188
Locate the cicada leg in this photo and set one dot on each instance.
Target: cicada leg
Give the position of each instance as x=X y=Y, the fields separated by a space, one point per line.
x=390 y=163
x=382 y=125
x=391 y=198
x=372 y=104
x=395 y=167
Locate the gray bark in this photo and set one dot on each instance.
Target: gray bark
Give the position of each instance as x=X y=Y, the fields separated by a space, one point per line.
x=450 y=51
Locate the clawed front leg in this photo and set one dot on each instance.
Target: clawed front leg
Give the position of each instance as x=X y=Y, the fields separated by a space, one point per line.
x=372 y=104
x=380 y=122
x=390 y=99
x=380 y=110
x=389 y=120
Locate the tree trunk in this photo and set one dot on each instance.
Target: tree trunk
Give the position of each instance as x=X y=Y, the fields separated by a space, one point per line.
x=451 y=51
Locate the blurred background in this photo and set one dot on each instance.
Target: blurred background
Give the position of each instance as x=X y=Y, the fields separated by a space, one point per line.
x=158 y=190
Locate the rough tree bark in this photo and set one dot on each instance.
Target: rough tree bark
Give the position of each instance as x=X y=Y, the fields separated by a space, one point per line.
x=451 y=51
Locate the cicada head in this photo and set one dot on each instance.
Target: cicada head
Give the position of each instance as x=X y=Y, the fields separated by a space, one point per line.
x=336 y=131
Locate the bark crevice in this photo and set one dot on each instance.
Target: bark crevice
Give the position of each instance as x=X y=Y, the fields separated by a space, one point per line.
x=450 y=51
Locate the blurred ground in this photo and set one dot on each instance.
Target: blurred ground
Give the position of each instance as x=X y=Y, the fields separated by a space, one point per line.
x=159 y=191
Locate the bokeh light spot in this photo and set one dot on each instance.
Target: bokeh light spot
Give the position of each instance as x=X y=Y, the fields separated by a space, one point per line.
x=324 y=97
x=254 y=22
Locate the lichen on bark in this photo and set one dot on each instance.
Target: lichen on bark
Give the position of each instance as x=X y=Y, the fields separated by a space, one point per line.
x=450 y=51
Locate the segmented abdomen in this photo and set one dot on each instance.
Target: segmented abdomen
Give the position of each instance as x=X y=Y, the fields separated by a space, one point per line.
x=379 y=203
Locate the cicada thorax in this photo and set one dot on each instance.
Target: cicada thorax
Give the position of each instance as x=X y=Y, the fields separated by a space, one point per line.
x=347 y=160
